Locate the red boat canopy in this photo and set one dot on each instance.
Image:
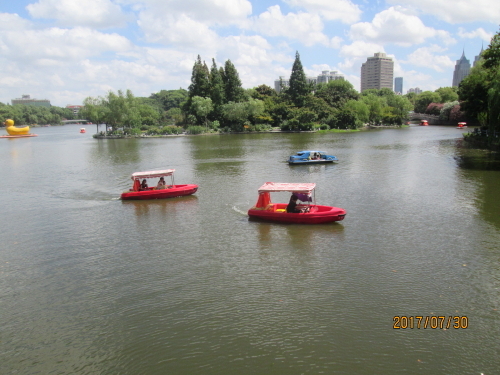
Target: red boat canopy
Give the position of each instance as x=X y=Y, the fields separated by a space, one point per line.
x=305 y=187
x=152 y=174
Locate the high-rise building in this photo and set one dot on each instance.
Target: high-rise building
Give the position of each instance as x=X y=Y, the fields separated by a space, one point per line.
x=325 y=77
x=478 y=57
x=26 y=100
x=462 y=70
x=416 y=90
x=398 y=85
x=377 y=72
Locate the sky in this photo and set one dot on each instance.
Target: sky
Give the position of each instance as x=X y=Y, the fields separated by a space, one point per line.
x=67 y=50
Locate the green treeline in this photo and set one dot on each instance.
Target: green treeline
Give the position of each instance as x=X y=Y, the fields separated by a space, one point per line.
x=31 y=115
x=479 y=92
x=216 y=102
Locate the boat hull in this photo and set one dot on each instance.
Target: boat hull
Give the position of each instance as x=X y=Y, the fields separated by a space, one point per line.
x=317 y=215
x=322 y=161
x=175 y=191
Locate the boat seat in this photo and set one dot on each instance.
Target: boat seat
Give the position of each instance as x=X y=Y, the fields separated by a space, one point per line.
x=281 y=210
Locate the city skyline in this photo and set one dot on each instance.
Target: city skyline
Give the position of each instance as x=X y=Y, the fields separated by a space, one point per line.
x=66 y=50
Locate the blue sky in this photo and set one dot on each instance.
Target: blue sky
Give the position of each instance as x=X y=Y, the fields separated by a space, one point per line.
x=67 y=50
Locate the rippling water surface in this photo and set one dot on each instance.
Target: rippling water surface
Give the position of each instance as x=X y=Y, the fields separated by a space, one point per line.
x=93 y=285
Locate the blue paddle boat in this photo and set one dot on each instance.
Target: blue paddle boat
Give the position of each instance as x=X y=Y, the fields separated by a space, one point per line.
x=311 y=157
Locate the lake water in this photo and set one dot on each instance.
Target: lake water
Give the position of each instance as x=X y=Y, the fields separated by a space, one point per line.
x=90 y=284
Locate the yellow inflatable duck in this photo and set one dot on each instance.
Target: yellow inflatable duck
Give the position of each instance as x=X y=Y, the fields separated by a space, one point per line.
x=12 y=130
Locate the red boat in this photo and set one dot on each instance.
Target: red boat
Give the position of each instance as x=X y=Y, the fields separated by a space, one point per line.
x=162 y=192
x=462 y=125
x=312 y=213
x=424 y=123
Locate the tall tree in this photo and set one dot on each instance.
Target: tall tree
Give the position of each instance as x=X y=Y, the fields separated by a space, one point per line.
x=234 y=91
x=200 y=81
x=298 y=89
x=491 y=55
x=217 y=93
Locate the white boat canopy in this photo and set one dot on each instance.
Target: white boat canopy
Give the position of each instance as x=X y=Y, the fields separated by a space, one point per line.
x=152 y=174
x=305 y=187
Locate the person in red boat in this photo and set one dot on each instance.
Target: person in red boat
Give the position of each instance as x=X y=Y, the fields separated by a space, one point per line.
x=161 y=184
x=144 y=185
x=292 y=205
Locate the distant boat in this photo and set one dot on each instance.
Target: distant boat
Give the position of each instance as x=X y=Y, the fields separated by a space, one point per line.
x=424 y=123
x=82 y=130
x=462 y=125
x=311 y=157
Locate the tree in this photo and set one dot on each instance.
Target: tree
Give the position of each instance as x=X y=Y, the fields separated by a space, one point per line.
x=232 y=83
x=336 y=93
x=298 y=88
x=491 y=55
x=201 y=108
x=200 y=81
x=447 y=94
x=217 y=93
x=375 y=105
x=424 y=99
x=473 y=93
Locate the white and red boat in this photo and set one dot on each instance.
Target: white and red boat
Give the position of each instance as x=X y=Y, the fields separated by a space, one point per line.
x=312 y=213
x=168 y=191
x=424 y=123
x=462 y=125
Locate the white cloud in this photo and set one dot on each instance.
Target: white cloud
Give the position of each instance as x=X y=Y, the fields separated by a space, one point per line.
x=37 y=46
x=304 y=27
x=12 y=22
x=432 y=57
x=180 y=30
x=219 y=12
x=90 y=13
x=355 y=54
x=457 y=11
x=478 y=33
x=342 y=10
x=398 y=27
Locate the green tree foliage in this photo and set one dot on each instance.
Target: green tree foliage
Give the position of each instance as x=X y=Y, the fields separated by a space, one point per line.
x=411 y=96
x=473 y=92
x=445 y=111
x=201 y=108
x=375 y=106
x=120 y=110
x=200 y=80
x=298 y=89
x=336 y=93
x=263 y=91
x=424 y=99
x=494 y=101
x=233 y=90
x=217 y=92
x=491 y=55
x=168 y=99
x=447 y=94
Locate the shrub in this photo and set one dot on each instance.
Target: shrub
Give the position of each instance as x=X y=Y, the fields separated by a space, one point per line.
x=195 y=129
x=434 y=109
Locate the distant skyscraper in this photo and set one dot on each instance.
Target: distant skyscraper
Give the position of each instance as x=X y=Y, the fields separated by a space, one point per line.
x=377 y=72
x=478 y=57
x=398 y=85
x=462 y=70
x=416 y=90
